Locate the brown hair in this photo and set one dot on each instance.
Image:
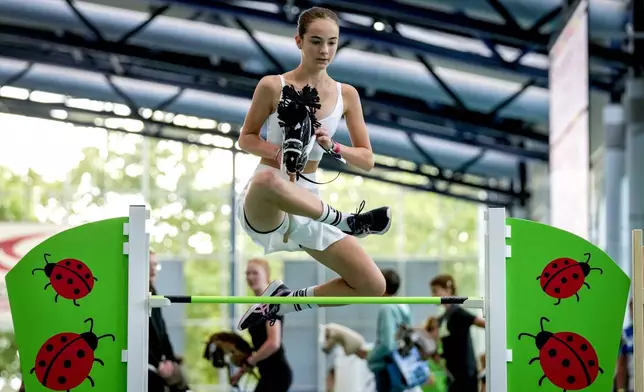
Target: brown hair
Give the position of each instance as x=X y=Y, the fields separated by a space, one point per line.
x=264 y=264
x=445 y=281
x=431 y=324
x=392 y=281
x=309 y=16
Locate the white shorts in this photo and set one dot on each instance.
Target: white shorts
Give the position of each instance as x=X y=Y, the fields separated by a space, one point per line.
x=303 y=232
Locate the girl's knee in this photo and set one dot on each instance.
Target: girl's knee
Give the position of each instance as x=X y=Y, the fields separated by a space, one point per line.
x=372 y=285
x=266 y=179
x=268 y=182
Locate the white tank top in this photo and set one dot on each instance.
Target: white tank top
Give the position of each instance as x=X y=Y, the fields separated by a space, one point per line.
x=330 y=123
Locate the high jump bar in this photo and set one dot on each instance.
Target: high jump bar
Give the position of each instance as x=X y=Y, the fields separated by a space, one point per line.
x=166 y=300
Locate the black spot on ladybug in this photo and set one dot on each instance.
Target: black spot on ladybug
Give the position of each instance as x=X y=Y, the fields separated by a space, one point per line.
x=552 y=353
x=59 y=276
x=565 y=363
x=547 y=275
x=76 y=291
x=575 y=276
x=78 y=266
x=566 y=262
x=70 y=281
x=591 y=363
x=68 y=263
x=564 y=280
x=571 y=379
x=569 y=338
x=42 y=363
x=62 y=380
x=583 y=347
x=555 y=265
x=67 y=364
x=63 y=339
x=49 y=348
x=87 y=276
x=80 y=353
x=557 y=290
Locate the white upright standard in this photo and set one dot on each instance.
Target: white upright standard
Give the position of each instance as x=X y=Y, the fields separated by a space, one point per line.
x=497 y=252
x=137 y=248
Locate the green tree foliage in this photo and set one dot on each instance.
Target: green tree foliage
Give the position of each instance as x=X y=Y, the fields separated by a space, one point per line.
x=13 y=194
x=189 y=190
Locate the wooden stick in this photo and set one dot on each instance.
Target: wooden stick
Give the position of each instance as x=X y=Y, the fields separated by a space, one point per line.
x=286 y=235
x=638 y=311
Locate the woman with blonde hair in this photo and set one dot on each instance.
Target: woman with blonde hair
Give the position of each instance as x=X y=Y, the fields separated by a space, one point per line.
x=269 y=356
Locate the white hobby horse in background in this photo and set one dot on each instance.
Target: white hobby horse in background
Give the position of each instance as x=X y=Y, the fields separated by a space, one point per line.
x=335 y=335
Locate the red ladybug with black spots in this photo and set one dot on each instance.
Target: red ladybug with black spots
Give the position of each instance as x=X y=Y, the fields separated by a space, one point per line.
x=563 y=277
x=567 y=359
x=70 y=278
x=65 y=360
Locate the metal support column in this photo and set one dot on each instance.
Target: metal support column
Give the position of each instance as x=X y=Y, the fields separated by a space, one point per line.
x=233 y=246
x=634 y=105
x=614 y=171
x=520 y=209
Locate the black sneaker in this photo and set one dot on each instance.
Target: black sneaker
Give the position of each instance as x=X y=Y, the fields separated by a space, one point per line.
x=259 y=313
x=376 y=221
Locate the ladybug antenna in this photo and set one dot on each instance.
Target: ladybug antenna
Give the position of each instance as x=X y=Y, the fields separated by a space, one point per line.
x=526 y=334
x=541 y=322
x=586 y=266
x=109 y=335
x=91 y=325
x=42 y=269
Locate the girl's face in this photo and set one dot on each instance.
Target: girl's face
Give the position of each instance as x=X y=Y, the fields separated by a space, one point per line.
x=256 y=277
x=438 y=291
x=320 y=43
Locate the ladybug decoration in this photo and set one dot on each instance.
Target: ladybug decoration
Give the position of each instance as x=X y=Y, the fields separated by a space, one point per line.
x=563 y=277
x=70 y=278
x=65 y=360
x=567 y=359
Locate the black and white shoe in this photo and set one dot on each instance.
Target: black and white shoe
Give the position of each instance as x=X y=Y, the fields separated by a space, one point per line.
x=259 y=313
x=376 y=221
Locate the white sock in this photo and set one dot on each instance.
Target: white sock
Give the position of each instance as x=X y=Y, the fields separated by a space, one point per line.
x=333 y=217
x=290 y=308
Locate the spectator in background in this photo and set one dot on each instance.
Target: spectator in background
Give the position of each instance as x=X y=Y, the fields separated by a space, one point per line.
x=268 y=356
x=456 y=340
x=390 y=317
x=164 y=374
x=438 y=381
x=625 y=364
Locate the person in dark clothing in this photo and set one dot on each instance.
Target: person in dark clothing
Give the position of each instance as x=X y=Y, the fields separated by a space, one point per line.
x=161 y=356
x=269 y=356
x=454 y=330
